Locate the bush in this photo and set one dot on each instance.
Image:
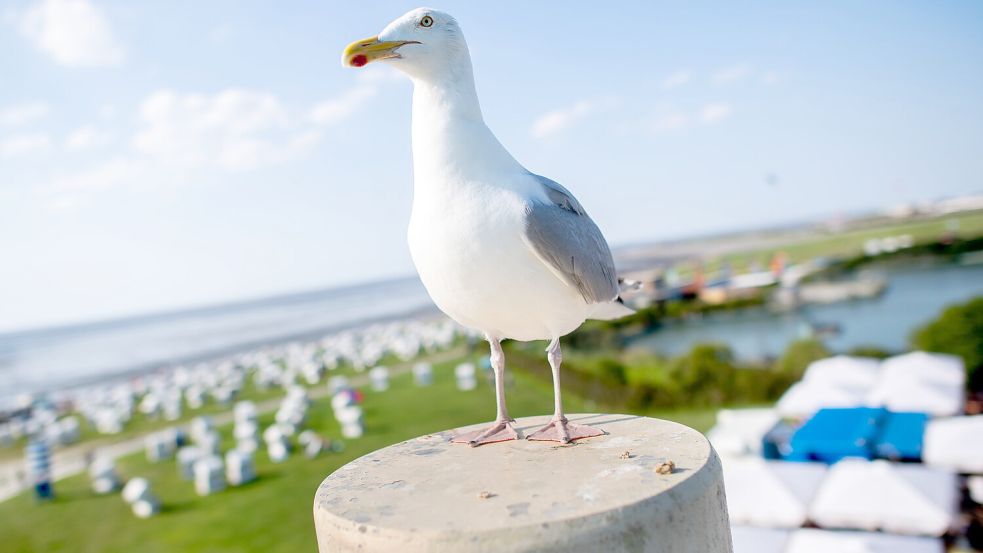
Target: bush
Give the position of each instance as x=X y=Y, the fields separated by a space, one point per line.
x=613 y=371
x=869 y=351
x=957 y=331
x=798 y=355
x=705 y=375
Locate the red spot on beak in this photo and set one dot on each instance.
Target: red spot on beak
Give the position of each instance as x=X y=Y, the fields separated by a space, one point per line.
x=360 y=60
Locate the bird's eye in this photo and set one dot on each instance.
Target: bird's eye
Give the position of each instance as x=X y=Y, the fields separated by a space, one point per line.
x=427 y=21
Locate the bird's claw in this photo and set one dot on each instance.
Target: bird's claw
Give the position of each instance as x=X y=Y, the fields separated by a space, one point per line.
x=500 y=431
x=563 y=431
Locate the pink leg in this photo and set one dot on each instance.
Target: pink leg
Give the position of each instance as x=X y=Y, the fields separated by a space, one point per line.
x=559 y=428
x=503 y=429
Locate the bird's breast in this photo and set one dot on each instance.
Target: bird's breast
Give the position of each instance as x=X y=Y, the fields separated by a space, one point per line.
x=458 y=236
x=469 y=248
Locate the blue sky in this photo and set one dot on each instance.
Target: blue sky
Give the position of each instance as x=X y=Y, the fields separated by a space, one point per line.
x=162 y=154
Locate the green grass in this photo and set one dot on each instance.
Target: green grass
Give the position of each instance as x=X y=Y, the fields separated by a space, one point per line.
x=142 y=424
x=850 y=243
x=274 y=512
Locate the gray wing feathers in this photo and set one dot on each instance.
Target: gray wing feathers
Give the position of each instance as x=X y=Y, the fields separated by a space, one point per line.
x=561 y=196
x=562 y=234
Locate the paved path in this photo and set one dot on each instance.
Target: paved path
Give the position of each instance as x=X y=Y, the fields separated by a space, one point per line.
x=71 y=460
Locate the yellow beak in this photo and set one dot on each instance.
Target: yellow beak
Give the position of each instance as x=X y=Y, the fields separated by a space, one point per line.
x=370 y=49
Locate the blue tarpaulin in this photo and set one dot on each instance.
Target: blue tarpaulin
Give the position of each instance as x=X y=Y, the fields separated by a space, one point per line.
x=866 y=432
x=901 y=436
x=832 y=434
x=775 y=443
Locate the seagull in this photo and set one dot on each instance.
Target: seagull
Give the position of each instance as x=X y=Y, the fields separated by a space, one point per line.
x=500 y=249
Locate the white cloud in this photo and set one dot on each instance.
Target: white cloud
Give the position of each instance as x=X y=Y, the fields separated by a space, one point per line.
x=72 y=32
x=555 y=121
x=679 y=78
x=234 y=129
x=85 y=138
x=181 y=137
x=22 y=145
x=21 y=114
x=712 y=113
x=731 y=74
x=769 y=78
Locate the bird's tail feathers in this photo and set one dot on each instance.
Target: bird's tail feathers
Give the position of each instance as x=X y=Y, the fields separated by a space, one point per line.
x=611 y=310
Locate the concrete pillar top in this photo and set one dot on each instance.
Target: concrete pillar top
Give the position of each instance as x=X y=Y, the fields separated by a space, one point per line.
x=427 y=494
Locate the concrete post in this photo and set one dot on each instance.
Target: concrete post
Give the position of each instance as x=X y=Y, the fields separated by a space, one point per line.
x=610 y=493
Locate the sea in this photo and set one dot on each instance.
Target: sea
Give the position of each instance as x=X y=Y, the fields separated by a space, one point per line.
x=49 y=359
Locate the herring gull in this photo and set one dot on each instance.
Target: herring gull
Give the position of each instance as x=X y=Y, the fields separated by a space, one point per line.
x=500 y=249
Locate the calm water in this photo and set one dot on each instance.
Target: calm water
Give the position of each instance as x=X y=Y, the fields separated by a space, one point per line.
x=49 y=359
x=914 y=296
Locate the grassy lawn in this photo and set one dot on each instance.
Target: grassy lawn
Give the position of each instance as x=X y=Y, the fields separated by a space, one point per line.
x=851 y=242
x=274 y=512
x=142 y=424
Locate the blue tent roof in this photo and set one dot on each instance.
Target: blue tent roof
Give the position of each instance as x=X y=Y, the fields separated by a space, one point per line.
x=832 y=434
x=901 y=436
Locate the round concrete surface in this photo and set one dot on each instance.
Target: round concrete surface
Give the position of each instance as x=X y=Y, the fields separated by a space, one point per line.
x=602 y=493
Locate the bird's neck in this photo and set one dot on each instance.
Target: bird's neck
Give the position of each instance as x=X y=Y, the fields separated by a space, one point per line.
x=450 y=138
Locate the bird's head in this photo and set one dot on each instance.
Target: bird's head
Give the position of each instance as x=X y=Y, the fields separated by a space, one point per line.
x=423 y=43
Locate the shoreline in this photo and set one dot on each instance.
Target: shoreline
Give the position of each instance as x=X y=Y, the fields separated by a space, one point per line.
x=145 y=369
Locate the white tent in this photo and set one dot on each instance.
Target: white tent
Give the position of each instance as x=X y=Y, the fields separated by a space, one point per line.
x=200 y=426
x=278 y=451
x=210 y=442
x=423 y=374
x=136 y=489
x=937 y=368
x=239 y=467
x=102 y=471
x=924 y=397
x=159 y=446
x=187 y=456
x=809 y=540
x=898 y=498
x=804 y=398
x=748 y=539
x=975 y=485
x=844 y=371
x=465 y=375
x=955 y=443
x=209 y=475
x=771 y=494
x=146 y=508
x=927 y=382
x=142 y=501
x=740 y=431
x=380 y=379
x=352 y=424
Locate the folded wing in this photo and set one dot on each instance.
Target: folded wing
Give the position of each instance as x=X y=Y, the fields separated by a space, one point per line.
x=570 y=244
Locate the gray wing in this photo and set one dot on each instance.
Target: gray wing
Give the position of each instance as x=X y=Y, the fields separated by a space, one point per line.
x=567 y=240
